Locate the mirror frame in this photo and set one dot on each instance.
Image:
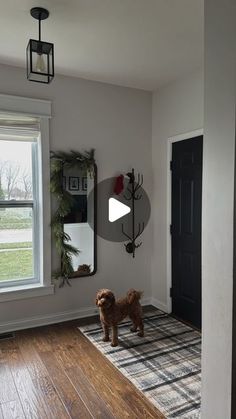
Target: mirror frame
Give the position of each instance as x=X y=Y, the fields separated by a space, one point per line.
x=60 y=160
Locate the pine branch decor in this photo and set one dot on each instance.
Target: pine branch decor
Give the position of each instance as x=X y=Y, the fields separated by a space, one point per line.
x=61 y=160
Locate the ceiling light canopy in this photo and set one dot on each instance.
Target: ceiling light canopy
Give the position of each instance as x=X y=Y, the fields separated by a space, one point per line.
x=40 y=54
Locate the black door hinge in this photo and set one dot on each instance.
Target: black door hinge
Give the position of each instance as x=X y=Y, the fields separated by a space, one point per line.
x=171 y=229
x=171 y=165
x=171 y=292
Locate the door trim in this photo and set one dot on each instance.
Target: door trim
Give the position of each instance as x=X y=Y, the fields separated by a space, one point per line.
x=171 y=140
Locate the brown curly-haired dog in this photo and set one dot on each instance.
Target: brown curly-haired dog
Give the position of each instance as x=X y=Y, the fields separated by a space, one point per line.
x=113 y=312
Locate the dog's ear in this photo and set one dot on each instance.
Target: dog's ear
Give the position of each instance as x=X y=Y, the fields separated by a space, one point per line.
x=98 y=295
x=131 y=294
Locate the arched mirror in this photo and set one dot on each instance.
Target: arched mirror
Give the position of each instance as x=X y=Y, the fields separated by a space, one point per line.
x=73 y=179
x=79 y=223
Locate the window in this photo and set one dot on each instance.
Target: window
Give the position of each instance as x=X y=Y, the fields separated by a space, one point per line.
x=25 y=234
x=19 y=201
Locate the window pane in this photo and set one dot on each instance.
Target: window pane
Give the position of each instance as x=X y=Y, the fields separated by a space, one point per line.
x=15 y=170
x=16 y=253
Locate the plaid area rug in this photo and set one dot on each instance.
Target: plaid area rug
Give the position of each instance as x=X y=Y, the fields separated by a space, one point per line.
x=165 y=365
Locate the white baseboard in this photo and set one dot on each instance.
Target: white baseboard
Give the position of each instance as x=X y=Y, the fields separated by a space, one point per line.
x=36 y=321
x=146 y=301
x=158 y=304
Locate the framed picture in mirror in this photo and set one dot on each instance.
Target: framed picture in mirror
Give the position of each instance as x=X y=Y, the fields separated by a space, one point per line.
x=73 y=183
x=84 y=183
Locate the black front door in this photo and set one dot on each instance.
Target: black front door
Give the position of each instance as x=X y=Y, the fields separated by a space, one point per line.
x=186 y=229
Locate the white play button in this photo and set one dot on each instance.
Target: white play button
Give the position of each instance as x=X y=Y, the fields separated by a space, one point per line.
x=116 y=210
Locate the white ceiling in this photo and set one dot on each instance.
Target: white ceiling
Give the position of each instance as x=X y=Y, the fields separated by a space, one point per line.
x=136 y=43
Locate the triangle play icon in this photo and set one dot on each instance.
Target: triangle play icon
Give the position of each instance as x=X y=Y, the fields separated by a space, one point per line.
x=116 y=209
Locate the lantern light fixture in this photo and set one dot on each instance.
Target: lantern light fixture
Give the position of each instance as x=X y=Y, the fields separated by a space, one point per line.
x=40 y=54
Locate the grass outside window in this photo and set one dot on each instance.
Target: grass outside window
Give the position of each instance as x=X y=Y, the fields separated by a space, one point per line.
x=16 y=258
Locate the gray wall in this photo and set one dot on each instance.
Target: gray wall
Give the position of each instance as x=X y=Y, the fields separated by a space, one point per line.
x=116 y=121
x=177 y=109
x=218 y=192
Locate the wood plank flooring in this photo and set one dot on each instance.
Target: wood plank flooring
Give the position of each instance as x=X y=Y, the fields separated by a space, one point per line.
x=55 y=372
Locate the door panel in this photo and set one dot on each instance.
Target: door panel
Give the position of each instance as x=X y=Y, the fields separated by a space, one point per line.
x=186 y=229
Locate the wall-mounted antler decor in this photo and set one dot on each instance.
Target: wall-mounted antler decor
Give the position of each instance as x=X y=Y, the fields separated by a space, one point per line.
x=133 y=196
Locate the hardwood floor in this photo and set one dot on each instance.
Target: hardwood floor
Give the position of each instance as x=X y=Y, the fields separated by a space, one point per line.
x=55 y=372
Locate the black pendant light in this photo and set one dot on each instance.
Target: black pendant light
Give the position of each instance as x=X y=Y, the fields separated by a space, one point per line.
x=40 y=54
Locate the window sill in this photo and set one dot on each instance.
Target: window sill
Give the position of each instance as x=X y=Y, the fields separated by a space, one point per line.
x=25 y=291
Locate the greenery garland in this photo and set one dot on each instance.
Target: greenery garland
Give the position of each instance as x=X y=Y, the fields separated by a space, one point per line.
x=59 y=161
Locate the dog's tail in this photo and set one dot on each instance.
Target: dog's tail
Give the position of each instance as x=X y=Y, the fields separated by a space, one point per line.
x=134 y=296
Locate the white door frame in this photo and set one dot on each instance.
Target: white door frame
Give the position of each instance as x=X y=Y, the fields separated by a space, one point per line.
x=171 y=140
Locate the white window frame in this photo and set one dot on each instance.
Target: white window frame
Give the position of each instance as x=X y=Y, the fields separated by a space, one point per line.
x=42 y=110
